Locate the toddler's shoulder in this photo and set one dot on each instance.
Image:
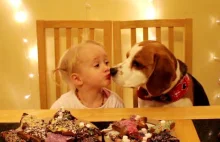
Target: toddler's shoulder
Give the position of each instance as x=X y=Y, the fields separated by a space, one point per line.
x=65 y=100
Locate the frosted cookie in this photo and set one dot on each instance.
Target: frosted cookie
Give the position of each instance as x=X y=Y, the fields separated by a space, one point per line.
x=139 y=129
x=32 y=128
x=11 y=136
x=63 y=123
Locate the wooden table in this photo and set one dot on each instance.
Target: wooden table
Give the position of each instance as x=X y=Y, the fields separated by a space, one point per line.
x=184 y=128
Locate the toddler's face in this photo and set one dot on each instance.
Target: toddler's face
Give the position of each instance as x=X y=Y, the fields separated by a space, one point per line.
x=93 y=66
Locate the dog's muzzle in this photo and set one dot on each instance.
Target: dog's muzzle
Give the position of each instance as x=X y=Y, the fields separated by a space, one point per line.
x=113 y=71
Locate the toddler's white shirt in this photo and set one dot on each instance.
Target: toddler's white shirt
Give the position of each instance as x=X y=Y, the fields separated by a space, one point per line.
x=70 y=100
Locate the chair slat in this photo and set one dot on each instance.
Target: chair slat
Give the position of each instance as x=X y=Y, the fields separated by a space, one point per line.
x=117 y=53
x=171 y=39
x=92 y=33
x=57 y=58
x=133 y=41
x=42 y=69
x=108 y=43
x=133 y=36
x=158 y=34
x=68 y=38
x=145 y=33
x=80 y=34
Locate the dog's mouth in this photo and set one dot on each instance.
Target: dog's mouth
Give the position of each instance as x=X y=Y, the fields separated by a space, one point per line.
x=143 y=94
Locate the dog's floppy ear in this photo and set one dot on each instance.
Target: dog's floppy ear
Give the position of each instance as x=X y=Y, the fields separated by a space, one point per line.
x=162 y=76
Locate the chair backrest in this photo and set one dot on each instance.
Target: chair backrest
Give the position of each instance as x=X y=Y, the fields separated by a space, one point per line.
x=65 y=31
x=168 y=31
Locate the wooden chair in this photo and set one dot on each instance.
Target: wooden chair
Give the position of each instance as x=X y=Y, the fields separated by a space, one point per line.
x=92 y=28
x=162 y=26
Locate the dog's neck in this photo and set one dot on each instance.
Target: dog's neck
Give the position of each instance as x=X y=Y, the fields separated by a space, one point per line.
x=179 y=75
x=178 y=87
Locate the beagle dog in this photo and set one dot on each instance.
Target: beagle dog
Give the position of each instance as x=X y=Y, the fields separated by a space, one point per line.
x=161 y=79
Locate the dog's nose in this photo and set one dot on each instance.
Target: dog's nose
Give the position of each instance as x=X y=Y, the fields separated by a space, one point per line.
x=113 y=71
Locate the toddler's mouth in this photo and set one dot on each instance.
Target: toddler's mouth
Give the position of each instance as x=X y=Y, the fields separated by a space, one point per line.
x=108 y=76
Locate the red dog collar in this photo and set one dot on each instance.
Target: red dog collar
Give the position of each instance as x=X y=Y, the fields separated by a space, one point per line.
x=173 y=95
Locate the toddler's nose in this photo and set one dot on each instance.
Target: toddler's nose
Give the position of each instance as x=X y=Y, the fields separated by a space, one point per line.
x=107 y=68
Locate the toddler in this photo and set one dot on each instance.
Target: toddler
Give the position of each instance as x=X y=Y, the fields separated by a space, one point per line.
x=85 y=69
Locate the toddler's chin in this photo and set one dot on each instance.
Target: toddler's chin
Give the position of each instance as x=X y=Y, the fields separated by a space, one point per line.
x=108 y=82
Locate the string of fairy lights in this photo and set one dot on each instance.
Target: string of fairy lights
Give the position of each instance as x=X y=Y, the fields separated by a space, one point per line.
x=21 y=17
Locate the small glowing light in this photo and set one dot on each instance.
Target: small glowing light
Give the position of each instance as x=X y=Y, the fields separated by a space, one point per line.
x=212 y=56
x=150 y=10
x=32 y=54
x=150 y=14
x=217 y=96
x=25 y=40
x=217 y=21
x=31 y=75
x=27 y=96
x=16 y=3
x=20 y=16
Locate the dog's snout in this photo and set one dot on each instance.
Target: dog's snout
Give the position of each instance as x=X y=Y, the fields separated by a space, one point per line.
x=113 y=71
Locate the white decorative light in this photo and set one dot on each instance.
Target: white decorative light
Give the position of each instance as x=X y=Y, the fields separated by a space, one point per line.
x=150 y=14
x=31 y=75
x=217 y=96
x=32 y=54
x=25 y=40
x=27 y=96
x=150 y=10
x=212 y=56
x=20 y=16
x=217 y=21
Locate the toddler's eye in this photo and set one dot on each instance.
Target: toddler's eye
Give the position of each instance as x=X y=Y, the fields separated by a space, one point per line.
x=106 y=62
x=97 y=65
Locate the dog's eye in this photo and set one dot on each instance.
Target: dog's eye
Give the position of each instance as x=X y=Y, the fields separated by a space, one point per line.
x=137 y=65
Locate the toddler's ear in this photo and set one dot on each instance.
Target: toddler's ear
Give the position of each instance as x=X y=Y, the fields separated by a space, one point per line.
x=75 y=78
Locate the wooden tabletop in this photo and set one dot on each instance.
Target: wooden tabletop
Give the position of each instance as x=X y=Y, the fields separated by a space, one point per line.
x=165 y=113
x=184 y=128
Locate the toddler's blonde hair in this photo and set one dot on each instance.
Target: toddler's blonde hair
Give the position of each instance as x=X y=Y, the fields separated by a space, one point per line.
x=69 y=60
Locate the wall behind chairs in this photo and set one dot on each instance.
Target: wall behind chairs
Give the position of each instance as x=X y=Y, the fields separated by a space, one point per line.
x=206 y=42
